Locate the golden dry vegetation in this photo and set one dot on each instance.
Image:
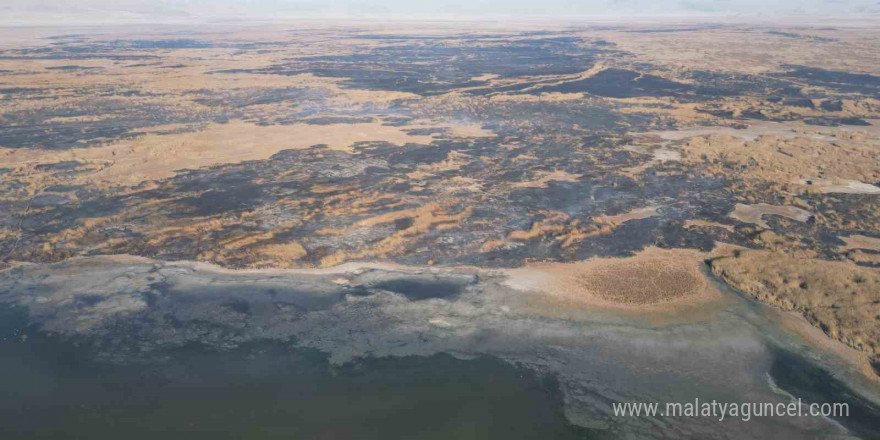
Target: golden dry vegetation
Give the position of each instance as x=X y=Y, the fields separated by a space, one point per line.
x=652 y=277
x=839 y=297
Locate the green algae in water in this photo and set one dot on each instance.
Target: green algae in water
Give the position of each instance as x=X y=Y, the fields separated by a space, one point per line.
x=56 y=389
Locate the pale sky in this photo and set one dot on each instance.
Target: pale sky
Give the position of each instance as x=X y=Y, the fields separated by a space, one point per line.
x=183 y=10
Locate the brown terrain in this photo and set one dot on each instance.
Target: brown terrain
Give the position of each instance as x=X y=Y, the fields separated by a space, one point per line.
x=607 y=163
x=841 y=298
x=652 y=278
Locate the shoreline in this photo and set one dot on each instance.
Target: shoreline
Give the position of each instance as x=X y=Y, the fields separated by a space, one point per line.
x=546 y=289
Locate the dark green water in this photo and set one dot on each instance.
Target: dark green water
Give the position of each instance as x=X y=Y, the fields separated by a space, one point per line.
x=53 y=388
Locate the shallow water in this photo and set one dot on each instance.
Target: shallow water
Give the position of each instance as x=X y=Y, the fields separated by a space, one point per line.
x=799 y=377
x=54 y=388
x=386 y=354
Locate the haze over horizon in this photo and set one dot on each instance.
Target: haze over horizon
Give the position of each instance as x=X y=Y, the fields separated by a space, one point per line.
x=99 y=11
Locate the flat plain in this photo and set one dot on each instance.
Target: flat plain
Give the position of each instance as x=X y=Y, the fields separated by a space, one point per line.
x=616 y=168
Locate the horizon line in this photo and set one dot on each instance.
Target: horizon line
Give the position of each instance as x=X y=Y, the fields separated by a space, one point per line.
x=110 y=19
